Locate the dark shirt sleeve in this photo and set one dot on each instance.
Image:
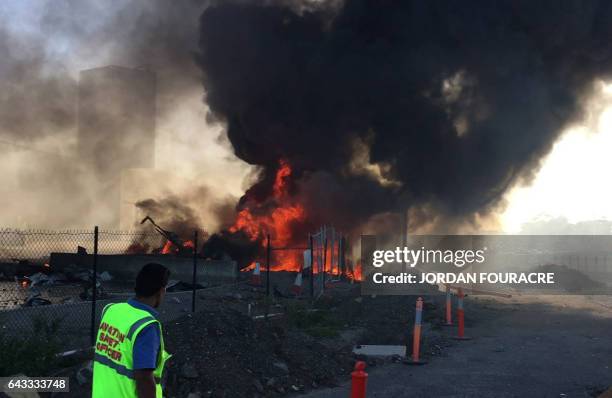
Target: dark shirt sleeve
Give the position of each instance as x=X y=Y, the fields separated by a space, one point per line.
x=146 y=347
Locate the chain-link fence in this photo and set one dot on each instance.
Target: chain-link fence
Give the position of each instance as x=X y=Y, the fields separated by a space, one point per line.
x=26 y=278
x=313 y=266
x=329 y=258
x=66 y=277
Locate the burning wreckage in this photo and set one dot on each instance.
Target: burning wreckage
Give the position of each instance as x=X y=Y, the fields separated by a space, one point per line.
x=272 y=228
x=277 y=223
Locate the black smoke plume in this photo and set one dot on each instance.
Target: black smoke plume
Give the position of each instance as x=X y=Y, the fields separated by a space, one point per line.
x=379 y=105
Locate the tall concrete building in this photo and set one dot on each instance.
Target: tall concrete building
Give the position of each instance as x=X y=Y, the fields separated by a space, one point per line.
x=116 y=131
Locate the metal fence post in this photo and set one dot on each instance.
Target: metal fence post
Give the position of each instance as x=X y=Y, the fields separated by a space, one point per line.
x=311 y=266
x=343 y=255
x=195 y=267
x=339 y=256
x=404 y=234
x=268 y=267
x=94 y=291
x=324 y=262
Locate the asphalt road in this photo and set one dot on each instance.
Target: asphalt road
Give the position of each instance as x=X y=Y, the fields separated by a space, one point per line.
x=526 y=346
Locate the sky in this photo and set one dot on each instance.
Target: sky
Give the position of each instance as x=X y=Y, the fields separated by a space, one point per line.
x=574 y=180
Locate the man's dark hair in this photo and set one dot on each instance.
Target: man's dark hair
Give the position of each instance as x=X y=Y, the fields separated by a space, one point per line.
x=150 y=279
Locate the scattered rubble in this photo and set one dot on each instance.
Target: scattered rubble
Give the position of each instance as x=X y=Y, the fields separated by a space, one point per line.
x=35 y=300
x=179 y=286
x=87 y=293
x=236 y=356
x=231 y=354
x=105 y=276
x=223 y=352
x=40 y=279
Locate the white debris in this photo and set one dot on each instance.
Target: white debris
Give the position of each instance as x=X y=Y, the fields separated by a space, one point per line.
x=380 y=350
x=39 y=279
x=105 y=276
x=172 y=283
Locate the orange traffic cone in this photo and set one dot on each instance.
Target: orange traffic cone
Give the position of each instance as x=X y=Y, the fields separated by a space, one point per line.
x=256 y=276
x=460 y=318
x=449 y=305
x=416 y=335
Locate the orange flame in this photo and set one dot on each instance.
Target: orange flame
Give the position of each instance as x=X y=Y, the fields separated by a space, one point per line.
x=167 y=249
x=276 y=223
x=170 y=248
x=257 y=221
x=280 y=182
x=355 y=273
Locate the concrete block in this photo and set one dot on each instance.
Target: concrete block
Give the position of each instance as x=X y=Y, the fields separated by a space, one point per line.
x=380 y=350
x=126 y=266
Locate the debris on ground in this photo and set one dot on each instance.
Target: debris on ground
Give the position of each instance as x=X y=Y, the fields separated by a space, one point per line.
x=35 y=300
x=38 y=279
x=41 y=279
x=105 y=276
x=231 y=348
x=179 y=286
x=226 y=353
x=87 y=293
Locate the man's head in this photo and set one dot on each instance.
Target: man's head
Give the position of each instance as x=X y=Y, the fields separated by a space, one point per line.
x=151 y=283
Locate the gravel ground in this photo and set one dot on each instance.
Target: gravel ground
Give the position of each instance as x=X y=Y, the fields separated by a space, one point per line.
x=226 y=354
x=222 y=351
x=530 y=346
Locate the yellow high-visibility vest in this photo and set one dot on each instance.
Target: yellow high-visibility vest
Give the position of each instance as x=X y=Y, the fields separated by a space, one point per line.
x=113 y=366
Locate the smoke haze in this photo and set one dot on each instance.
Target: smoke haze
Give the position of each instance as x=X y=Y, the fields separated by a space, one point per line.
x=43 y=46
x=436 y=106
x=378 y=107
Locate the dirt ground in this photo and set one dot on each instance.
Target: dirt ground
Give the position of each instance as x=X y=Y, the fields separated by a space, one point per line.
x=223 y=351
x=525 y=346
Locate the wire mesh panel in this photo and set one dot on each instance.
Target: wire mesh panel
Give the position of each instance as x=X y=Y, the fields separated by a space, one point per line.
x=66 y=277
x=35 y=246
x=39 y=285
x=27 y=273
x=328 y=247
x=121 y=253
x=290 y=274
x=131 y=242
x=306 y=268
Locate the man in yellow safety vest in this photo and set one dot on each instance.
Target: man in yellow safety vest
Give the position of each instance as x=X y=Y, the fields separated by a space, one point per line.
x=129 y=352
